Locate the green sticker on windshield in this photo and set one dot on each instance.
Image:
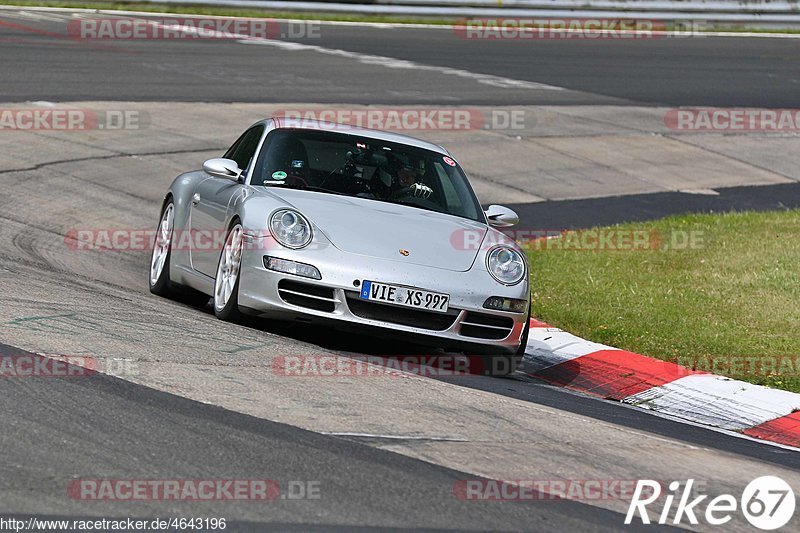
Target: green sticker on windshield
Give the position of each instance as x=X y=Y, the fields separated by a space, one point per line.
x=279 y=175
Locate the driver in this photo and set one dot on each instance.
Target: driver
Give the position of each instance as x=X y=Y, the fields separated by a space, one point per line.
x=406 y=184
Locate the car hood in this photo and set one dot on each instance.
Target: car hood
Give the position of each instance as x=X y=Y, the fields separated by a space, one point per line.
x=379 y=229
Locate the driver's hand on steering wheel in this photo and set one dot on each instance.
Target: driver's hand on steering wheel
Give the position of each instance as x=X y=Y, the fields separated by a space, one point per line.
x=421 y=190
x=417 y=190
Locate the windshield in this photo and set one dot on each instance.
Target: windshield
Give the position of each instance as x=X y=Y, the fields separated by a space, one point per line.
x=351 y=165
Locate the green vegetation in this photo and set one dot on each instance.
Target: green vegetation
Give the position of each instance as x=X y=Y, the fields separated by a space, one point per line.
x=719 y=291
x=230 y=11
x=261 y=13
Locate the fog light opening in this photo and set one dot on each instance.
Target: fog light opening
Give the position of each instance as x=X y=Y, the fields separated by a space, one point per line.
x=513 y=305
x=291 y=267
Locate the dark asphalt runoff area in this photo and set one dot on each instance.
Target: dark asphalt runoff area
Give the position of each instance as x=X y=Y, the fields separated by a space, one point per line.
x=593 y=212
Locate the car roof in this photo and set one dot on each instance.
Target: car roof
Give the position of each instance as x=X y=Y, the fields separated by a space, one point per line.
x=309 y=124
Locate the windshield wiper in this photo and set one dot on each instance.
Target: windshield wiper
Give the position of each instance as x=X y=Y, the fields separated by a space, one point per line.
x=403 y=201
x=323 y=189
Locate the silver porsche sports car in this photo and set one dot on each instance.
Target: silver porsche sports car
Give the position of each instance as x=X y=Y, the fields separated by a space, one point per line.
x=324 y=223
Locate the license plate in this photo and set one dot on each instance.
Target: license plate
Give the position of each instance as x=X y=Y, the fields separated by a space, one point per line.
x=405 y=296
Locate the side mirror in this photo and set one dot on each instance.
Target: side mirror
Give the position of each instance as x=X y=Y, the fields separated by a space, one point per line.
x=501 y=217
x=222 y=168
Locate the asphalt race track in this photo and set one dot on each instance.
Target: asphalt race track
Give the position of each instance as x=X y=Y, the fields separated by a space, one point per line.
x=221 y=444
x=709 y=71
x=191 y=397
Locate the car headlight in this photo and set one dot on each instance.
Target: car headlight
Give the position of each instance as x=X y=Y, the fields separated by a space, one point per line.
x=290 y=228
x=506 y=265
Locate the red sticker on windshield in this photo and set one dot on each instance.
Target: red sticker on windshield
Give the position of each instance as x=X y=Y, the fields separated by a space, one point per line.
x=449 y=161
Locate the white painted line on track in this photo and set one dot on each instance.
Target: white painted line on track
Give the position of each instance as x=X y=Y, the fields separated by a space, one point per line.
x=367 y=59
x=40 y=16
x=390 y=62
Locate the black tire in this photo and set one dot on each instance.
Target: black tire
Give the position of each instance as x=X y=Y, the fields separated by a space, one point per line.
x=230 y=311
x=163 y=285
x=523 y=341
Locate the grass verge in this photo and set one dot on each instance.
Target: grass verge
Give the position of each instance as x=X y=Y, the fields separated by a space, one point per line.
x=718 y=292
x=231 y=11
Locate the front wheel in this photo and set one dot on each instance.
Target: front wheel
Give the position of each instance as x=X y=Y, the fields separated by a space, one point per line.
x=162 y=248
x=226 y=283
x=523 y=340
x=160 y=283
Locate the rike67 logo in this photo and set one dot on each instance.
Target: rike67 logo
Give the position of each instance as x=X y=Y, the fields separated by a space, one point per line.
x=767 y=503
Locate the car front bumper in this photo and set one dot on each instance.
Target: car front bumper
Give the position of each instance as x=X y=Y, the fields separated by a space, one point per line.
x=335 y=298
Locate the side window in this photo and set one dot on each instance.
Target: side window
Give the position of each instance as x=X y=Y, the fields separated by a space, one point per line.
x=244 y=148
x=235 y=146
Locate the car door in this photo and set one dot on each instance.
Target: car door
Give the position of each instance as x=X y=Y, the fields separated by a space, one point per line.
x=212 y=199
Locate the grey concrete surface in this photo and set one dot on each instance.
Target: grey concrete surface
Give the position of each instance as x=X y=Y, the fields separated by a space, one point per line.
x=552 y=153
